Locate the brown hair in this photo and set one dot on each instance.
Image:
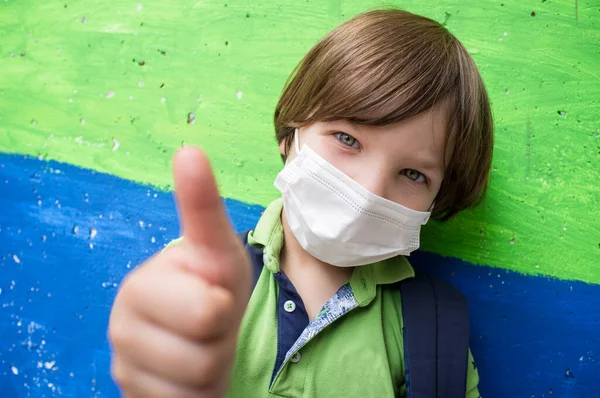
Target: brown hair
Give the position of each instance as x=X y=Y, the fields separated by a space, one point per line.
x=387 y=65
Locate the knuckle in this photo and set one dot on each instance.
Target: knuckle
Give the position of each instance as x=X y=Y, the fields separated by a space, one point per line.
x=119 y=373
x=217 y=362
x=133 y=287
x=120 y=334
x=206 y=370
x=211 y=310
x=200 y=316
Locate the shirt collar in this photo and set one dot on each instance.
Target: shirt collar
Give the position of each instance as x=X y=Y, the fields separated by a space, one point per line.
x=268 y=235
x=365 y=278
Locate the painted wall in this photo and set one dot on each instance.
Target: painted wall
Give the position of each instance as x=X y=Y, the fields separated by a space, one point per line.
x=96 y=96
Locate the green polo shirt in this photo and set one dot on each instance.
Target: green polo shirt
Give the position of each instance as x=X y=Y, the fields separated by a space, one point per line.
x=352 y=348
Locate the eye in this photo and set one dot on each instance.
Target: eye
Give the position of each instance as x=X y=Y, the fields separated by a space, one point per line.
x=347 y=140
x=414 y=175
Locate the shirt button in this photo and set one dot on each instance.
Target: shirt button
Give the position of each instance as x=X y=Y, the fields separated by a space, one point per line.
x=296 y=358
x=289 y=306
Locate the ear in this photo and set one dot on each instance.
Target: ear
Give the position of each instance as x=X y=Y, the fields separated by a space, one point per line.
x=282 y=147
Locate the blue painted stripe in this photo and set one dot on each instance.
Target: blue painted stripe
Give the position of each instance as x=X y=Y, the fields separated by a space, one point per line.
x=530 y=335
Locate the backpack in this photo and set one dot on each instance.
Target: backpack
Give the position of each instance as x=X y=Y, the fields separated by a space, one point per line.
x=436 y=332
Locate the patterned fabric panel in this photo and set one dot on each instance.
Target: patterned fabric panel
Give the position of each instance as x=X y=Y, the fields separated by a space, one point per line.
x=341 y=303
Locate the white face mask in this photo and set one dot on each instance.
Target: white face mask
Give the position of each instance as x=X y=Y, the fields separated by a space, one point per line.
x=338 y=221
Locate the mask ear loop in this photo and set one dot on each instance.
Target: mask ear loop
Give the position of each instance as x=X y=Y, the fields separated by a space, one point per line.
x=429 y=215
x=295 y=145
x=296 y=134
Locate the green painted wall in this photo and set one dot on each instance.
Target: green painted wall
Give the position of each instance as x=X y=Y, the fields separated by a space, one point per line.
x=110 y=85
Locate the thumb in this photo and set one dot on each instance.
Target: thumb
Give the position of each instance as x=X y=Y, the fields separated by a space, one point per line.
x=205 y=225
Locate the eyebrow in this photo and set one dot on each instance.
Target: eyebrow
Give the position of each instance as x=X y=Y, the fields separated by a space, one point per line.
x=343 y=124
x=429 y=163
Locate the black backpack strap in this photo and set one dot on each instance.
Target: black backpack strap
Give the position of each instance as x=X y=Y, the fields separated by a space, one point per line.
x=436 y=338
x=256 y=257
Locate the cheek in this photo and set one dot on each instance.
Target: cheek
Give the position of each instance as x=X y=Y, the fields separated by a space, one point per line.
x=355 y=167
x=414 y=197
x=326 y=147
x=414 y=203
x=316 y=143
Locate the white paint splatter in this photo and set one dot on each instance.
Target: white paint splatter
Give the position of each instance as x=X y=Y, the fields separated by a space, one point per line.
x=140 y=84
x=153 y=239
x=116 y=144
x=50 y=364
x=191 y=118
x=15 y=370
x=80 y=140
x=163 y=99
x=239 y=94
x=17 y=260
x=139 y=7
x=93 y=232
x=110 y=94
x=141 y=224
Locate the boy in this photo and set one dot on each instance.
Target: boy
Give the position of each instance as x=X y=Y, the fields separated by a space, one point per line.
x=385 y=122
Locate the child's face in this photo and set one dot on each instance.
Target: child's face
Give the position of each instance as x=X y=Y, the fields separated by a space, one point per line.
x=402 y=162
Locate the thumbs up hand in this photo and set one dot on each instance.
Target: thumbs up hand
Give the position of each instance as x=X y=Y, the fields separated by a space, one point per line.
x=174 y=322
